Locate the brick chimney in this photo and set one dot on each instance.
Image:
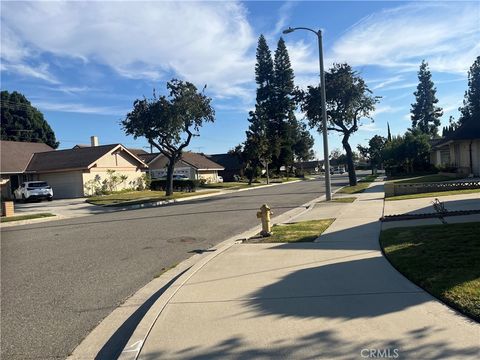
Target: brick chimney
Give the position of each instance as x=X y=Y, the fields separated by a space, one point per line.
x=94 y=141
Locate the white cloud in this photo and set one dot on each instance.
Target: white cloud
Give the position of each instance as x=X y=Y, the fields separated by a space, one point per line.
x=203 y=42
x=381 y=109
x=283 y=18
x=79 y=108
x=445 y=34
x=370 y=127
x=392 y=80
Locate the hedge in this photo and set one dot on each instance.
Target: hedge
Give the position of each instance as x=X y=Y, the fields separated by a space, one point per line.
x=178 y=185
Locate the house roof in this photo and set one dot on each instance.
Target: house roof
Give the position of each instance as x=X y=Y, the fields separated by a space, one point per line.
x=134 y=151
x=467 y=131
x=15 y=155
x=137 y=152
x=196 y=160
x=200 y=161
x=148 y=157
x=76 y=158
x=228 y=161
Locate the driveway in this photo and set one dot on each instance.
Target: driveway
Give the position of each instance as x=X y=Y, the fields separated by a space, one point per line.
x=64 y=208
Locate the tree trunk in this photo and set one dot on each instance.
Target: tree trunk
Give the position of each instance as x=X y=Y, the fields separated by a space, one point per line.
x=170 y=169
x=352 y=178
x=268 y=176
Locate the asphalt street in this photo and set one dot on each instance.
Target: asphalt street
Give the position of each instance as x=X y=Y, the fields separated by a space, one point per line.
x=60 y=279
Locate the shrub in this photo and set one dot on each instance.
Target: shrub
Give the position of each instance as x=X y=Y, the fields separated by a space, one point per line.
x=178 y=185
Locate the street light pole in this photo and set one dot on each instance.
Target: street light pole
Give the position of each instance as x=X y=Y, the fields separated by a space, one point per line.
x=326 y=162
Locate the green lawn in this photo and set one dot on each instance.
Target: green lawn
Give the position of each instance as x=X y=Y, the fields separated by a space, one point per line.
x=442 y=259
x=359 y=188
x=425 y=178
x=25 y=217
x=362 y=184
x=344 y=199
x=433 y=194
x=304 y=231
x=139 y=197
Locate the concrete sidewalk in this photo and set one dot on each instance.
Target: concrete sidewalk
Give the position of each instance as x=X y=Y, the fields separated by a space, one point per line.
x=335 y=298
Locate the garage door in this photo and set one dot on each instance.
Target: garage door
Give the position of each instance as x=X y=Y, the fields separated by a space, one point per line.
x=65 y=184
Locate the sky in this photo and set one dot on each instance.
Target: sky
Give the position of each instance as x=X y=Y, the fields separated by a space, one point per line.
x=83 y=64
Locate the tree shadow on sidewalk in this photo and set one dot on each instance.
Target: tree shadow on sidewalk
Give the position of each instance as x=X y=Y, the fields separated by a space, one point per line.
x=326 y=344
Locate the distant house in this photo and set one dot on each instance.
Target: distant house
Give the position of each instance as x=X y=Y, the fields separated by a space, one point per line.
x=459 y=149
x=67 y=171
x=313 y=166
x=15 y=157
x=192 y=165
x=231 y=163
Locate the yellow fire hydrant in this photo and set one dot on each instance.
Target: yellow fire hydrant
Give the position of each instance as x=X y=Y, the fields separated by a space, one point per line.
x=264 y=214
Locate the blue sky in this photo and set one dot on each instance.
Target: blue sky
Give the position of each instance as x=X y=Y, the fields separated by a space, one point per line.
x=84 y=63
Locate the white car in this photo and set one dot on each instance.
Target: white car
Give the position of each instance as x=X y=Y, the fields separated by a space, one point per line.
x=31 y=190
x=220 y=179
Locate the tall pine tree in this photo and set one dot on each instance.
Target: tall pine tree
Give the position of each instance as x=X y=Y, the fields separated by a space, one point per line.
x=389 y=134
x=425 y=114
x=470 y=111
x=284 y=125
x=256 y=148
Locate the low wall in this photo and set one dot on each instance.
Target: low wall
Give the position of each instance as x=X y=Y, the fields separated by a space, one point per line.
x=393 y=189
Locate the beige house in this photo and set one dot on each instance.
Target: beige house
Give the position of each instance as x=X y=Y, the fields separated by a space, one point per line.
x=195 y=166
x=69 y=171
x=460 y=150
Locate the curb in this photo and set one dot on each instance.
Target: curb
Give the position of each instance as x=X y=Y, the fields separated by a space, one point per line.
x=170 y=282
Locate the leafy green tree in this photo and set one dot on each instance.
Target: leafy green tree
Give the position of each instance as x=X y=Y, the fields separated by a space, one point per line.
x=23 y=122
x=408 y=153
x=348 y=100
x=170 y=122
x=425 y=114
x=470 y=111
x=303 y=146
x=283 y=127
x=374 y=151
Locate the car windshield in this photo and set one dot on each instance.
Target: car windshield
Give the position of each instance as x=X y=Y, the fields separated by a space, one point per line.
x=37 y=184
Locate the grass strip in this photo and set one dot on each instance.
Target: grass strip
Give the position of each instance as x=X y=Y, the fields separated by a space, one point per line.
x=303 y=231
x=344 y=199
x=442 y=259
x=140 y=197
x=433 y=194
x=25 y=217
x=425 y=178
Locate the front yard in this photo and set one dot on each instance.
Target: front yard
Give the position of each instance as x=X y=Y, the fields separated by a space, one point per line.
x=442 y=259
x=139 y=197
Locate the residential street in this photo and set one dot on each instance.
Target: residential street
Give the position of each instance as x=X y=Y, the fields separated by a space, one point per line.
x=61 y=278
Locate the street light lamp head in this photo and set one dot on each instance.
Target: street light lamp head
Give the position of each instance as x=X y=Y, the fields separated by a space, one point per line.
x=288 y=31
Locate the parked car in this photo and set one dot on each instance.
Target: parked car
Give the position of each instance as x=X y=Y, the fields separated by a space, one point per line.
x=220 y=179
x=31 y=190
x=337 y=170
